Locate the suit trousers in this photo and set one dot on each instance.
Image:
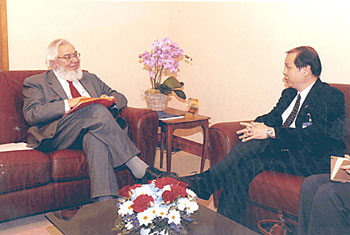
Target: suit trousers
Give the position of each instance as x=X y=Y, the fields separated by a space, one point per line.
x=246 y=160
x=324 y=206
x=106 y=146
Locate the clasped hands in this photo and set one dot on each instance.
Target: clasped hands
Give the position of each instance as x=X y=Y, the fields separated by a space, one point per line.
x=253 y=130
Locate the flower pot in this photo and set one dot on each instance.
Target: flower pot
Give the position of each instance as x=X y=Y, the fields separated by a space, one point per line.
x=156 y=102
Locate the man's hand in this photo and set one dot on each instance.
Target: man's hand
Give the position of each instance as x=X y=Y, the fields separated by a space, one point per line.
x=254 y=130
x=73 y=102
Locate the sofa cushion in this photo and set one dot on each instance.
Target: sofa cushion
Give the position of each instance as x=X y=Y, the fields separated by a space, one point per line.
x=23 y=169
x=68 y=165
x=276 y=191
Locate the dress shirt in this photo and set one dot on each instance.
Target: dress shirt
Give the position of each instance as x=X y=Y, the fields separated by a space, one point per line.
x=65 y=87
x=303 y=95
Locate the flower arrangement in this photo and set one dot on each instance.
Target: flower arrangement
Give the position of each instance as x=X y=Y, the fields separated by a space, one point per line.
x=164 y=58
x=164 y=206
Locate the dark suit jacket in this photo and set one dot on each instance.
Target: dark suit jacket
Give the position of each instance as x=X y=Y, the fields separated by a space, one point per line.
x=319 y=124
x=44 y=102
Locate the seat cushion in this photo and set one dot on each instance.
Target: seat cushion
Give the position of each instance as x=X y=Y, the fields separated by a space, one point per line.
x=68 y=165
x=23 y=169
x=276 y=191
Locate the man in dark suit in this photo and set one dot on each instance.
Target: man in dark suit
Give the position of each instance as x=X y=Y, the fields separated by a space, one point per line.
x=324 y=206
x=297 y=136
x=50 y=95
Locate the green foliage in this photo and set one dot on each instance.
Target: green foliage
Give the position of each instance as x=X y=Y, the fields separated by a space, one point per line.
x=171 y=84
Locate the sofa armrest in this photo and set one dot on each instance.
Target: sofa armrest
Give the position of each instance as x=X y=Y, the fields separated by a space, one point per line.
x=143 y=129
x=222 y=138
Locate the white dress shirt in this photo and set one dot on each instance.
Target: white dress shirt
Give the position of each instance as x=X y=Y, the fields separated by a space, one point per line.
x=303 y=95
x=66 y=88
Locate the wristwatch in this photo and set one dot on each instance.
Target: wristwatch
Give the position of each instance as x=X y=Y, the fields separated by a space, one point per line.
x=269 y=133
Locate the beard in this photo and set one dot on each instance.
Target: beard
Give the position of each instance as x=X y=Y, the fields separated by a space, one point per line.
x=70 y=75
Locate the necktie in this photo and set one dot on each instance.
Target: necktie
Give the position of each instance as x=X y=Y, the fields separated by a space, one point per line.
x=75 y=93
x=293 y=114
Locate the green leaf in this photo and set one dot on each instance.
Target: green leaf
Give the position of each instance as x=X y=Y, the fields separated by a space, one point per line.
x=164 y=89
x=172 y=83
x=180 y=94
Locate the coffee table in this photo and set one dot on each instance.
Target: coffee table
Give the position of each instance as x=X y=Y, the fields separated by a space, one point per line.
x=99 y=218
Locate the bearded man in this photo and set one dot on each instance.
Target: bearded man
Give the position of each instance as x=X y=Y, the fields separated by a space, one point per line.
x=93 y=128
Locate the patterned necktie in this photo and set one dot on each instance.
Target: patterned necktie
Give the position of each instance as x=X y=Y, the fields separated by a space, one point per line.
x=75 y=93
x=293 y=114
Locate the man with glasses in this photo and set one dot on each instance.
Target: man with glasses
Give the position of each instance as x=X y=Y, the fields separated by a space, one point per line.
x=50 y=95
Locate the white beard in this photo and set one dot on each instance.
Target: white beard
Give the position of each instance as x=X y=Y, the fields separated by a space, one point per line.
x=70 y=75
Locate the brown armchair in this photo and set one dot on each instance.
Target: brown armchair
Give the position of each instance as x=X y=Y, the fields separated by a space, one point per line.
x=270 y=191
x=32 y=181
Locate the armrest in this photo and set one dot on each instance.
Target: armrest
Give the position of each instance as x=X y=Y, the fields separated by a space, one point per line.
x=143 y=129
x=222 y=138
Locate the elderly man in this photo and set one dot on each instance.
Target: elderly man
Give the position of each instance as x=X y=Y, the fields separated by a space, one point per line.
x=298 y=136
x=50 y=95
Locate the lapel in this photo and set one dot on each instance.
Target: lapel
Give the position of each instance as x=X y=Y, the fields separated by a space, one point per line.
x=88 y=85
x=55 y=85
x=310 y=98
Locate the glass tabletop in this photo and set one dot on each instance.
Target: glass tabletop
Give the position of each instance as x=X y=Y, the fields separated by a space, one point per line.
x=99 y=218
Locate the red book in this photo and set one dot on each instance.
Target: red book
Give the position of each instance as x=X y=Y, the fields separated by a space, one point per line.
x=87 y=101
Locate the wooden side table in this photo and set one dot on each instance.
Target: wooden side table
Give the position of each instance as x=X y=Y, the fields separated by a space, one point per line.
x=188 y=121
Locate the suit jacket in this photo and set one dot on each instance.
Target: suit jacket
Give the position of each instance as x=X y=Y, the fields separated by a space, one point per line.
x=319 y=124
x=43 y=104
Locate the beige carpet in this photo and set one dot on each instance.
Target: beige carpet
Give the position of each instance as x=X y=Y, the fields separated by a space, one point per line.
x=183 y=163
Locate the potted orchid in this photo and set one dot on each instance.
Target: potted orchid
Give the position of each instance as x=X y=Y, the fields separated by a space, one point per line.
x=164 y=206
x=163 y=59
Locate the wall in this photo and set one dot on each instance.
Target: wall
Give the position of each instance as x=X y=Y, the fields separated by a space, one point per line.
x=238 y=48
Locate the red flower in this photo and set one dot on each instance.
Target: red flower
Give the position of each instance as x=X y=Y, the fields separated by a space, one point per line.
x=125 y=191
x=161 y=182
x=169 y=196
x=135 y=186
x=179 y=190
x=142 y=202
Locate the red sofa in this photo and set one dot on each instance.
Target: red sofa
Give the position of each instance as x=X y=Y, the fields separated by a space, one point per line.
x=34 y=182
x=270 y=191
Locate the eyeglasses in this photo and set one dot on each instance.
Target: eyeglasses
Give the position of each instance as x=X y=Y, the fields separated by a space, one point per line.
x=70 y=57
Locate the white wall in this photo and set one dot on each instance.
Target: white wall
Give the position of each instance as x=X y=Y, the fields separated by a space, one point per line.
x=238 y=48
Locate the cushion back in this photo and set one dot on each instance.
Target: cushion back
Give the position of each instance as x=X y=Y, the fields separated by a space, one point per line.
x=12 y=124
x=345 y=88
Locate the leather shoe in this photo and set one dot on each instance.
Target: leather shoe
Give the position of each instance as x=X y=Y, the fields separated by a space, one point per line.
x=199 y=184
x=153 y=173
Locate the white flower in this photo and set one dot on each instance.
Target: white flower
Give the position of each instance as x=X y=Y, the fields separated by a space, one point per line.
x=183 y=203
x=162 y=212
x=192 y=207
x=145 y=217
x=129 y=225
x=174 y=217
x=125 y=208
x=190 y=193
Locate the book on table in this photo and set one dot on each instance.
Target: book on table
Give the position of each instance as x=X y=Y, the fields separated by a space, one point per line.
x=168 y=116
x=106 y=101
x=338 y=174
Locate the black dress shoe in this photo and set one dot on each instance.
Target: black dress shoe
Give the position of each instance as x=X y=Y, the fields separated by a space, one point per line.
x=153 y=173
x=199 y=184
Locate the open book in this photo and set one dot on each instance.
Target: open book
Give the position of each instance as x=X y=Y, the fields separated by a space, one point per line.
x=87 y=101
x=338 y=174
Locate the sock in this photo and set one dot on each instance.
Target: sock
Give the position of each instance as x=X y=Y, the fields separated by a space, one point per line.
x=137 y=167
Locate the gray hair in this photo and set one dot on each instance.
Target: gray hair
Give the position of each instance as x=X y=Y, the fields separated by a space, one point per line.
x=51 y=51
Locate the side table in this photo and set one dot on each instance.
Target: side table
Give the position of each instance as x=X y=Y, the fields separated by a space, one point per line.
x=188 y=121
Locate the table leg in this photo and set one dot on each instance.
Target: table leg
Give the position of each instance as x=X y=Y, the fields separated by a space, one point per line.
x=162 y=142
x=169 y=146
x=205 y=128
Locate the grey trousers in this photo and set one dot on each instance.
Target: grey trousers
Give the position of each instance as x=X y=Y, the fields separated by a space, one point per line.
x=324 y=206
x=106 y=146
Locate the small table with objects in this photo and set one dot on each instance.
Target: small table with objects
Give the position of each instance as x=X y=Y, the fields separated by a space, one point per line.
x=188 y=121
x=99 y=218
